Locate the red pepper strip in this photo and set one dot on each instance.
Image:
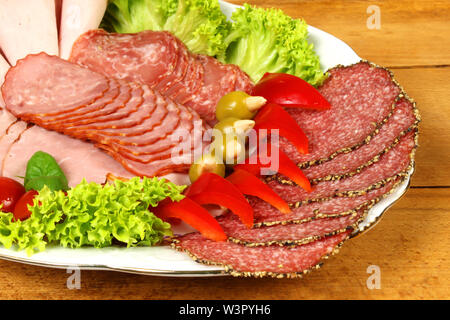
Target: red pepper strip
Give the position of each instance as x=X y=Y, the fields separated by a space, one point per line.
x=240 y=208
x=260 y=160
x=194 y=215
x=223 y=193
x=290 y=91
x=249 y=184
x=273 y=116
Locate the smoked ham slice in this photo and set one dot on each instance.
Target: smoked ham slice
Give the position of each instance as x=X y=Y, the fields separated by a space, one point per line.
x=85 y=105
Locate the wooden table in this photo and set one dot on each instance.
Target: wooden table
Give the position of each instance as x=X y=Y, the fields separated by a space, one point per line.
x=411 y=244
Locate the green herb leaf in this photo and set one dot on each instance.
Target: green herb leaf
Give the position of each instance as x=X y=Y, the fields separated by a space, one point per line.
x=43 y=170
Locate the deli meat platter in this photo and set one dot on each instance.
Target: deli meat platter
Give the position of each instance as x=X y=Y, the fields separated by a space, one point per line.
x=112 y=109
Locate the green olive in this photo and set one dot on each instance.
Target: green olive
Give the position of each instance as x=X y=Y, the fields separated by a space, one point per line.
x=238 y=104
x=232 y=147
x=206 y=163
x=234 y=126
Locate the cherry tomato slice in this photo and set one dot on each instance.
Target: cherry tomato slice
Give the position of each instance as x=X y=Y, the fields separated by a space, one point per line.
x=21 y=211
x=10 y=193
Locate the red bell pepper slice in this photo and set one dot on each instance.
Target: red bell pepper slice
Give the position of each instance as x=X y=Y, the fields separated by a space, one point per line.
x=249 y=184
x=290 y=91
x=260 y=160
x=194 y=215
x=240 y=208
x=273 y=116
x=210 y=188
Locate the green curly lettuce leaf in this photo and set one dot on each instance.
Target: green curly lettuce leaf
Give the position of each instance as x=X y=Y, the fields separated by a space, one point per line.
x=200 y=24
x=267 y=40
x=93 y=215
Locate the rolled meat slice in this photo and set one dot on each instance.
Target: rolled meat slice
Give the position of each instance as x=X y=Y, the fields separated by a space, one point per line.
x=11 y=134
x=27 y=27
x=271 y=261
x=77 y=17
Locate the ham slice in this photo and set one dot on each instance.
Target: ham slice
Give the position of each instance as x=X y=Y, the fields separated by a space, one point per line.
x=27 y=27
x=77 y=17
x=4 y=66
x=78 y=159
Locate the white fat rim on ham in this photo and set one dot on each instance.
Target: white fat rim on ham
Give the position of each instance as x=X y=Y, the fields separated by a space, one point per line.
x=78 y=16
x=27 y=27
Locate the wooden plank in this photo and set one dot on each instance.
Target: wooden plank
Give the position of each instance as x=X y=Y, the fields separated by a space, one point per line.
x=413 y=32
x=410 y=245
x=431 y=90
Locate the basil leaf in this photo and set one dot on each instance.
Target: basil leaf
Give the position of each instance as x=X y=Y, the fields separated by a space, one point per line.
x=54 y=183
x=42 y=169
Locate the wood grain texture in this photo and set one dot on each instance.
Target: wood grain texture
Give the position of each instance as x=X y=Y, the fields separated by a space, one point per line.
x=412 y=33
x=411 y=244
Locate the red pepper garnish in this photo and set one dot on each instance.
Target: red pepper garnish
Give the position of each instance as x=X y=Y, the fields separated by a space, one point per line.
x=289 y=91
x=264 y=160
x=273 y=116
x=194 y=215
x=249 y=184
x=211 y=188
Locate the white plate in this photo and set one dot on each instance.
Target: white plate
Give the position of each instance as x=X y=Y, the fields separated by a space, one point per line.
x=165 y=261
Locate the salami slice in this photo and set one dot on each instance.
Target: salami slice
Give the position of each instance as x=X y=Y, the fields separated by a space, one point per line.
x=404 y=120
x=395 y=161
x=362 y=97
x=271 y=261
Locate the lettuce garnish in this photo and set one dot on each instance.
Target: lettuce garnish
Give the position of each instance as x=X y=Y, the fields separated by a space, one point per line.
x=200 y=24
x=267 y=40
x=93 y=215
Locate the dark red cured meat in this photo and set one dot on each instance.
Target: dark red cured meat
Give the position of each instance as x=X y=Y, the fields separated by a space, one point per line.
x=243 y=81
x=294 y=234
x=265 y=214
x=122 y=56
x=190 y=84
x=402 y=120
x=260 y=261
x=178 y=72
x=218 y=81
x=395 y=161
x=146 y=57
x=361 y=96
x=73 y=87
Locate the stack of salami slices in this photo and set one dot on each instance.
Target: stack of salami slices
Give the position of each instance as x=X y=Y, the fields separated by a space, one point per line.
x=360 y=150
